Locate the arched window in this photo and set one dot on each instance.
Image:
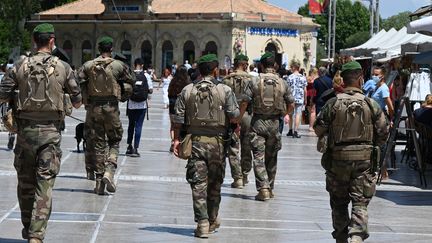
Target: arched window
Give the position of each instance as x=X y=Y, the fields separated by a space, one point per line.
x=146 y=53
x=167 y=54
x=68 y=48
x=189 y=52
x=211 y=48
x=126 y=50
x=86 y=51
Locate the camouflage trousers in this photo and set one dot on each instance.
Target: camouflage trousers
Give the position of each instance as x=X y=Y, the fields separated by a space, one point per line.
x=37 y=162
x=205 y=173
x=350 y=181
x=90 y=153
x=265 y=141
x=242 y=167
x=105 y=133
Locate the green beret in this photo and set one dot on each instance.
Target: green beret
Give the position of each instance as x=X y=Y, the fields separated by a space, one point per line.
x=105 y=41
x=241 y=57
x=353 y=65
x=44 y=29
x=266 y=55
x=208 y=58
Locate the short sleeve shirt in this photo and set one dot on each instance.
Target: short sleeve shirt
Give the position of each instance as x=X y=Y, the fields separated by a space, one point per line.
x=297 y=83
x=381 y=94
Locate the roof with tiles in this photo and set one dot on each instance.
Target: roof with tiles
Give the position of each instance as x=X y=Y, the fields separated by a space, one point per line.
x=248 y=8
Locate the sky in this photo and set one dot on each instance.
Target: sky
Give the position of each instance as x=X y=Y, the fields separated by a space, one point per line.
x=387 y=7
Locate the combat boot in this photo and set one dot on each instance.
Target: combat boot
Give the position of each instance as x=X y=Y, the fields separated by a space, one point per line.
x=356 y=239
x=214 y=225
x=202 y=230
x=100 y=186
x=263 y=195
x=238 y=183
x=35 y=240
x=108 y=178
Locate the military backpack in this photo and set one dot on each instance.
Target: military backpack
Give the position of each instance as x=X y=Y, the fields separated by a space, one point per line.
x=206 y=102
x=268 y=95
x=237 y=83
x=39 y=90
x=102 y=82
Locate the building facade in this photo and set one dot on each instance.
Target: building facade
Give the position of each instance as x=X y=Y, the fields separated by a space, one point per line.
x=165 y=31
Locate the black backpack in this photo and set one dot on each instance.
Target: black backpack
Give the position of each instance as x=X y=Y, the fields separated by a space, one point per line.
x=141 y=88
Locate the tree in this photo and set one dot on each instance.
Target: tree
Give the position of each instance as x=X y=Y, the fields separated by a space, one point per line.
x=13 y=14
x=357 y=39
x=351 y=18
x=397 y=21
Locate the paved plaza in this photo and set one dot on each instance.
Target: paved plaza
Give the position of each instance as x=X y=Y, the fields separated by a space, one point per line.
x=153 y=202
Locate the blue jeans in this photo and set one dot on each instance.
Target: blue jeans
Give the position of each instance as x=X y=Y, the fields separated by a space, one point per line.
x=136 y=120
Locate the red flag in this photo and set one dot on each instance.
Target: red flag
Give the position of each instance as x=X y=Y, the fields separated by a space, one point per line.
x=317 y=7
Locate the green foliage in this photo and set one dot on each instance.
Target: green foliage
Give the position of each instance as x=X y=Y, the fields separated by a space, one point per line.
x=357 y=39
x=351 y=19
x=13 y=13
x=397 y=21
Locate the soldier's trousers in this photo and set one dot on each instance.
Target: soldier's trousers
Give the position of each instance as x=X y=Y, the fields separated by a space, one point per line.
x=37 y=162
x=105 y=131
x=265 y=141
x=205 y=173
x=90 y=153
x=242 y=167
x=350 y=181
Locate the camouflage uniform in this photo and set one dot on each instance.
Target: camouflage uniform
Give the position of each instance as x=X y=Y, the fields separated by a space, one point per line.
x=351 y=180
x=264 y=134
x=206 y=166
x=103 y=125
x=37 y=152
x=242 y=167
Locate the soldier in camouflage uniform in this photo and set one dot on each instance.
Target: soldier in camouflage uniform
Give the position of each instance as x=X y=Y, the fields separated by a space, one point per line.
x=355 y=127
x=106 y=82
x=271 y=98
x=39 y=88
x=205 y=108
x=238 y=81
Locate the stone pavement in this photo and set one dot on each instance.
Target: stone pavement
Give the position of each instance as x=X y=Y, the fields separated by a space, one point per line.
x=153 y=201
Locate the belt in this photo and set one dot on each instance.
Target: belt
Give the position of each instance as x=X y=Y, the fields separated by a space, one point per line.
x=262 y=116
x=104 y=102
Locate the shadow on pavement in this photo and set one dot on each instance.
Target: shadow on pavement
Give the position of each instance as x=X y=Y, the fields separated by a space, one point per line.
x=240 y=196
x=4 y=240
x=407 y=198
x=74 y=190
x=172 y=230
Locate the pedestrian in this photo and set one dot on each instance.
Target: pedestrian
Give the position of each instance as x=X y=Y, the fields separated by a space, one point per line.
x=355 y=127
x=253 y=70
x=297 y=83
x=237 y=81
x=264 y=136
x=180 y=80
x=38 y=116
x=205 y=107
x=137 y=107
x=322 y=84
x=187 y=65
x=381 y=94
x=310 y=96
x=165 y=81
x=106 y=81
x=424 y=113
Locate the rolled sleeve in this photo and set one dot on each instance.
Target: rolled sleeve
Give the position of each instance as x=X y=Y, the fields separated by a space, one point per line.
x=231 y=108
x=72 y=86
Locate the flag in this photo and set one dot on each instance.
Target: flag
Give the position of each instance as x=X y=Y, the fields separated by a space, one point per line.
x=317 y=7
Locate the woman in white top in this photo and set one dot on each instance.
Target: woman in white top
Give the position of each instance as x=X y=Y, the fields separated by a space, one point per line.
x=166 y=80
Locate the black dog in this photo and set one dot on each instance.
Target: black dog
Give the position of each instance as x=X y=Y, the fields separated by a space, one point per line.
x=79 y=136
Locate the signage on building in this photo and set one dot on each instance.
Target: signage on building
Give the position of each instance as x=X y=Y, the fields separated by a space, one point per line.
x=126 y=9
x=273 y=32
